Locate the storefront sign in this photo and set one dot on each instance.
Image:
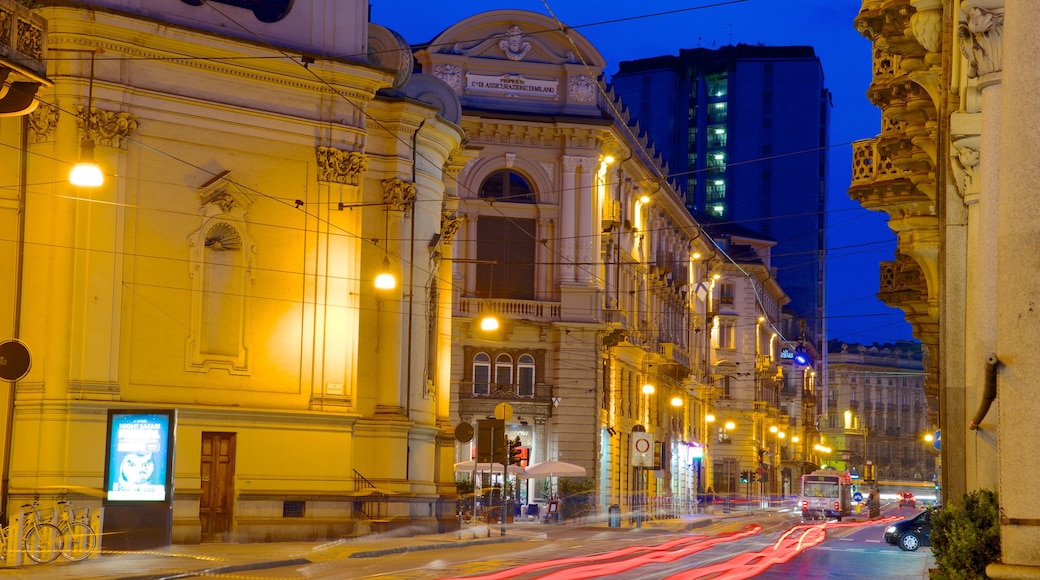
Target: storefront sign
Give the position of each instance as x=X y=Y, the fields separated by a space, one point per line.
x=511 y=85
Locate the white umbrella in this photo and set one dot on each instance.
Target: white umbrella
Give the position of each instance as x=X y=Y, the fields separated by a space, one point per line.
x=471 y=466
x=554 y=469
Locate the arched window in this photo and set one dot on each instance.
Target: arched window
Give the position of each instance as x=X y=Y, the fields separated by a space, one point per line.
x=504 y=371
x=525 y=376
x=507 y=185
x=481 y=374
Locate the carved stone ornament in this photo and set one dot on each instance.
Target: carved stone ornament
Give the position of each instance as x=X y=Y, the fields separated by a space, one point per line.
x=966 y=166
x=581 y=89
x=338 y=166
x=30 y=39
x=42 y=123
x=982 y=38
x=107 y=128
x=450 y=226
x=223 y=237
x=451 y=75
x=397 y=194
x=513 y=45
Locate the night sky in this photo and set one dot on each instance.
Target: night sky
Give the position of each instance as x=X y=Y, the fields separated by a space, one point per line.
x=857 y=239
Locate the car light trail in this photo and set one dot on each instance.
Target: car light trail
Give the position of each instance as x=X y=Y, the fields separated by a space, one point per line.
x=597 y=565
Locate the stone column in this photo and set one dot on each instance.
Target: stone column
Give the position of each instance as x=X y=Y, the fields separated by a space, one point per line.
x=398 y=196
x=586 y=234
x=1018 y=290
x=567 y=218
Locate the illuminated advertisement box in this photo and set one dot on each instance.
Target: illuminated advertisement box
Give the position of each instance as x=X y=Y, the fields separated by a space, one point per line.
x=139 y=456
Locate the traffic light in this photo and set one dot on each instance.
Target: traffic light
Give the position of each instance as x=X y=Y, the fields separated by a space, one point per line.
x=745 y=476
x=515 y=451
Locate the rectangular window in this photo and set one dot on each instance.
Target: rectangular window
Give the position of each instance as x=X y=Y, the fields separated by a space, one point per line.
x=726 y=293
x=727 y=332
x=293 y=509
x=481 y=379
x=504 y=375
x=525 y=381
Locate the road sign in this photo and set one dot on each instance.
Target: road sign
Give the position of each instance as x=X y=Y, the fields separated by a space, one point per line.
x=464 y=433
x=14 y=360
x=642 y=450
x=857 y=497
x=937 y=439
x=503 y=411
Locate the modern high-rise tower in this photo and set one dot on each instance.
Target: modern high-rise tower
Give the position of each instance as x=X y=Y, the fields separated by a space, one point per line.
x=744 y=131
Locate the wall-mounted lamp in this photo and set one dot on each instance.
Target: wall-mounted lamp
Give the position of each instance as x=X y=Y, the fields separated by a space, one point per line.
x=385 y=279
x=86 y=172
x=648 y=389
x=677 y=401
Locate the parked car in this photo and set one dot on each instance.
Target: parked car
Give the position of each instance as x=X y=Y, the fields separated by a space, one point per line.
x=907 y=500
x=910 y=534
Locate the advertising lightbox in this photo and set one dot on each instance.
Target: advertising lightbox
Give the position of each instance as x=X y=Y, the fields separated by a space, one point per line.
x=139 y=456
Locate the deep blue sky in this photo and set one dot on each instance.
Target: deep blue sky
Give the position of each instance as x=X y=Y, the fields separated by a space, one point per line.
x=857 y=239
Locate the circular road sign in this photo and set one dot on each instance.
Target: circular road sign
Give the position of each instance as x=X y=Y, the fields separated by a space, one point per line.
x=642 y=445
x=464 y=432
x=503 y=411
x=937 y=440
x=14 y=360
x=857 y=497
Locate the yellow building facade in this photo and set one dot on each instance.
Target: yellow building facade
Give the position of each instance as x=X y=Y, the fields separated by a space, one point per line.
x=255 y=184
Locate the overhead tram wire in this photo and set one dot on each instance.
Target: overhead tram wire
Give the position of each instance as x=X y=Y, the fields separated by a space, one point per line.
x=562 y=29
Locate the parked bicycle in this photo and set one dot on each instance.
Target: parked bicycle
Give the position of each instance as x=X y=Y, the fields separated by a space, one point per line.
x=79 y=540
x=41 y=540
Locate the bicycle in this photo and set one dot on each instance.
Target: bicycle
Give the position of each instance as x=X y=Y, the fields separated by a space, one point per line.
x=42 y=540
x=79 y=540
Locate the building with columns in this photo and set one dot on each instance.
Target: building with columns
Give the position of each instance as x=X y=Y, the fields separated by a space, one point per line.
x=874 y=411
x=619 y=315
x=224 y=269
x=223 y=274
x=955 y=168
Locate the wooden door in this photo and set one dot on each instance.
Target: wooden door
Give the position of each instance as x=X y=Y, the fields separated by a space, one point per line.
x=218 y=478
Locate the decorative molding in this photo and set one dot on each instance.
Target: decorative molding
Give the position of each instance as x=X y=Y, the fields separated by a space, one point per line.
x=549 y=168
x=398 y=195
x=451 y=75
x=965 y=166
x=571 y=163
x=513 y=45
x=107 y=128
x=43 y=122
x=982 y=38
x=582 y=89
x=335 y=165
x=450 y=226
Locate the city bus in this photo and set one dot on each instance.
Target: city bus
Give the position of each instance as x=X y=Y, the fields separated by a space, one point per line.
x=826 y=493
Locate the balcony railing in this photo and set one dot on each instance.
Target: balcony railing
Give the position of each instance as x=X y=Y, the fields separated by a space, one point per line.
x=533 y=310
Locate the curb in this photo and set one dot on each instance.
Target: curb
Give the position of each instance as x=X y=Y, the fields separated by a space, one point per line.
x=421 y=548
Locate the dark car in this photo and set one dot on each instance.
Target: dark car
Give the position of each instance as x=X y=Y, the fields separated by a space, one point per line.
x=907 y=500
x=912 y=533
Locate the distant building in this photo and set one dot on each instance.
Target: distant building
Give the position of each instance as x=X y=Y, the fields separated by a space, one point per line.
x=874 y=411
x=744 y=132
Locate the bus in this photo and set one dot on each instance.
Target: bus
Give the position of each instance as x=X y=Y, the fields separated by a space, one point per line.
x=826 y=493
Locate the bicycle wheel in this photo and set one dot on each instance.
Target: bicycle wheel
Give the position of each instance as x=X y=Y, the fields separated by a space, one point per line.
x=78 y=541
x=43 y=543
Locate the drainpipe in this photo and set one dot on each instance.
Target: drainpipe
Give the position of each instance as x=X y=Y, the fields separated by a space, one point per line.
x=23 y=167
x=411 y=281
x=989 y=391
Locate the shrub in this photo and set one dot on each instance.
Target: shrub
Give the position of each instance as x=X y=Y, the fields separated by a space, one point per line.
x=577 y=496
x=966 y=537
